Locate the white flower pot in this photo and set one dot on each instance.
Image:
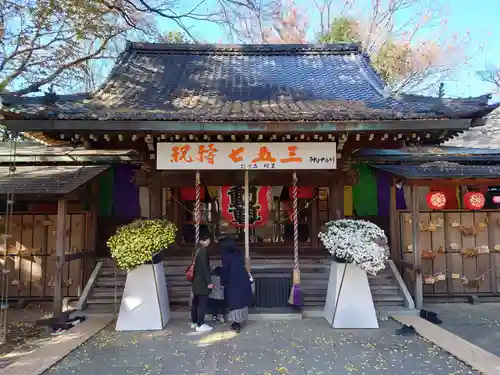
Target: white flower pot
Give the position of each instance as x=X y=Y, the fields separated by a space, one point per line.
x=145 y=305
x=349 y=303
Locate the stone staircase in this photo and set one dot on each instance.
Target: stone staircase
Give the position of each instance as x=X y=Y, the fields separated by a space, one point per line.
x=314 y=281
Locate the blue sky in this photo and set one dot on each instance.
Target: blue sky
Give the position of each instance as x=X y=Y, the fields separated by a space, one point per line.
x=480 y=17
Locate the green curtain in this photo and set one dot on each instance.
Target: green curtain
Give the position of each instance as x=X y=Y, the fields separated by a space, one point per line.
x=106 y=181
x=88 y=192
x=364 y=193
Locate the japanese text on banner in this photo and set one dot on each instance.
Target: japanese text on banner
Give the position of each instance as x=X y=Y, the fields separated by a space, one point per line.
x=230 y=156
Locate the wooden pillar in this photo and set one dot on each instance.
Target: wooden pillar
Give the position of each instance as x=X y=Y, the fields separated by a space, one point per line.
x=393 y=224
x=92 y=229
x=94 y=213
x=248 y=263
x=176 y=213
x=155 y=194
x=60 y=251
x=417 y=262
x=336 y=197
x=315 y=219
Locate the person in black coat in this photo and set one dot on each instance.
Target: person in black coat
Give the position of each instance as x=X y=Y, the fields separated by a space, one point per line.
x=202 y=285
x=236 y=282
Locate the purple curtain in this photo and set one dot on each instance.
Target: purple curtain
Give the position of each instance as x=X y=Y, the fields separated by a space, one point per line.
x=383 y=193
x=400 y=199
x=126 y=193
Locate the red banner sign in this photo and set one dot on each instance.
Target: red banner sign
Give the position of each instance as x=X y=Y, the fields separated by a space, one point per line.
x=233 y=206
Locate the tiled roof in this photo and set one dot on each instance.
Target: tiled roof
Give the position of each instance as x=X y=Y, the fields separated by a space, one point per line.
x=427 y=154
x=486 y=136
x=27 y=152
x=47 y=179
x=245 y=83
x=441 y=169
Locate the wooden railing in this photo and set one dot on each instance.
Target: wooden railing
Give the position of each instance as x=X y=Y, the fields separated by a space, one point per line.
x=31 y=257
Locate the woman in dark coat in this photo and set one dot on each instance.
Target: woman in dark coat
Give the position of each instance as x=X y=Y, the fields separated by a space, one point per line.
x=236 y=282
x=202 y=284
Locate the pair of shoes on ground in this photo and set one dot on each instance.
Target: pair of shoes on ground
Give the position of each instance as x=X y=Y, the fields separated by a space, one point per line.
x=202 y=328
x=430 y=316
x=60 y=328
x=219 y=318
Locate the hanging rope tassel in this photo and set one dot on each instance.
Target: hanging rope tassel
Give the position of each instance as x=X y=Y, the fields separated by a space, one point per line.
x=197 y=209
x=295 y=294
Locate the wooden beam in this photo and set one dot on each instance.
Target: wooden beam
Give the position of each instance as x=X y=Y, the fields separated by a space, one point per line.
x=155 y=194
x=94 y=212
x=248 y=262
x=89 y=287
x=336 y=198
x=138 y=126
x=315 y=219
x=60 y=243
x=417 y=253
x=176 y=213
x=393 y=221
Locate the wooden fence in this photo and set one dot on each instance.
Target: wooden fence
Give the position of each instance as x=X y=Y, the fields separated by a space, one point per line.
x=460 y=251
x=31 y=255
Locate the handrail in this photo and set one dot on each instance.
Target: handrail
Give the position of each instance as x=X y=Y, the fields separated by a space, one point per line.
x=89 y=287
x=409 y=303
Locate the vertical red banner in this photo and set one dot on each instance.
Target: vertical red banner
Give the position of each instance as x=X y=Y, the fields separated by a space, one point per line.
x=232 y=205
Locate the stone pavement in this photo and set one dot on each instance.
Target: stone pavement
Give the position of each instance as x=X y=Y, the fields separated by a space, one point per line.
x=478 y=324
x=295 y=347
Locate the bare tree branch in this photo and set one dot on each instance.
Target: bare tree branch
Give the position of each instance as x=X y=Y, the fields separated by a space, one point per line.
x=491 y=74
x=46 y=42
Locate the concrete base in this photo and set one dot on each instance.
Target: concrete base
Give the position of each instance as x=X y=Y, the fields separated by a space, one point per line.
x=349 y=303
x=145 y=305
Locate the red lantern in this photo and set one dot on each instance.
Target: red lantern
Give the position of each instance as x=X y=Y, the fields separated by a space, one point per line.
x=474 y=200
x=189 y=193
x=233 y=209
x=303 y=192
x=436 y=200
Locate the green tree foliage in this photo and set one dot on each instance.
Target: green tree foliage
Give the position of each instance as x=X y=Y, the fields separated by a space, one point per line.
x=71 y=43
x=408 y=40
x=401 y=64
x=342 y=30
x=175 y=37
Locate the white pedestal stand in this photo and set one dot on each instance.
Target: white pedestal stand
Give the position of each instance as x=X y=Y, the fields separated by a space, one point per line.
x=349 y=304
x=145 y=305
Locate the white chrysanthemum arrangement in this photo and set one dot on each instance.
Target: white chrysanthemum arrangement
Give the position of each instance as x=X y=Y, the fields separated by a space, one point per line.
x=357 y=241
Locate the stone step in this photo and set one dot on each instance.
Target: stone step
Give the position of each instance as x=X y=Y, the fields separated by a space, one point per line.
x=376 y=298
x=314 y=277
x=388 y=298
x=391 y=289
x=382 y=304
x=255 y=262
